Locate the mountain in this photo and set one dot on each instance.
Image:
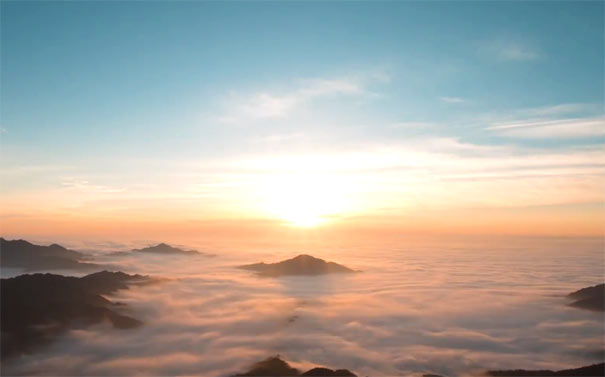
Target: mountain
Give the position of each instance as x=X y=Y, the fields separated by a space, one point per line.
x=591 y=370
x=590 y=298
x=300 y=265
x=23 y=254
x=36 y=308
x=328 y=372
x=161 y=248
x=275 y=366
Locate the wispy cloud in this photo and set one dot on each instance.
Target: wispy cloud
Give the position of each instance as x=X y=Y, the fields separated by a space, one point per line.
x=414 y=175
x=551 y=129
x=279 y=138
x=563 y=109
x=452 y=99
x=512 y=50
x=516 y=52
x=267 y=105
x=411 y=125
x=29 y=170
x=86 y=186
x=264 y=105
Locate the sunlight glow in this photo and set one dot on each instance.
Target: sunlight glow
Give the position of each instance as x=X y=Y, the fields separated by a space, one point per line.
x=304 y=200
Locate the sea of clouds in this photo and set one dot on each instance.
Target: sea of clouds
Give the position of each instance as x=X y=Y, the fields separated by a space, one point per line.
x=454 y=310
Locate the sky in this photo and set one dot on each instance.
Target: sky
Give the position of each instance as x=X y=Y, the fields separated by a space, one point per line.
x=184 y=119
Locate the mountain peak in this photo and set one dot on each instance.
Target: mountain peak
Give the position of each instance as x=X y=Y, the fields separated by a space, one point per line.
x=275 y=366
x=306 y=257
x=272 y=366
x=302 y=264
x=164 y=248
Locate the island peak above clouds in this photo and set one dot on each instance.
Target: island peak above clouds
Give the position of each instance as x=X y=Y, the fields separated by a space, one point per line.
x=275 y=366
x=163 y=248
x=300 y=265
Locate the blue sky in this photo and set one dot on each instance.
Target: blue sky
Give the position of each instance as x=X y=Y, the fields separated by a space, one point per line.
x=104 y=92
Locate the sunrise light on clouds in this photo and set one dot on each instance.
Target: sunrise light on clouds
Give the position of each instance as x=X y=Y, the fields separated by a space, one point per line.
x=289 y=188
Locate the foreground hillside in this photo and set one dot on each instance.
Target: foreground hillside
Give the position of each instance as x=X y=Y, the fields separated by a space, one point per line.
x=36 y=308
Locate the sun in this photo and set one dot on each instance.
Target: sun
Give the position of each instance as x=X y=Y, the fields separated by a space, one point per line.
x=302 y=217
x=303 y=200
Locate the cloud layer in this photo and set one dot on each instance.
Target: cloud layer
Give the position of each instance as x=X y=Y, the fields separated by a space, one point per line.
x=424 y=308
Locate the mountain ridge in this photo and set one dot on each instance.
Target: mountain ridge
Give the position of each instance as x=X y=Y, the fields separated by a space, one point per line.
x=274 y=366
x=589 y=298
x=587 y=371
x=31 y=257
x=35 y=308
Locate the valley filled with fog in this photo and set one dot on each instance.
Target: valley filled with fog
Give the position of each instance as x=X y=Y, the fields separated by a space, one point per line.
x=450 y=309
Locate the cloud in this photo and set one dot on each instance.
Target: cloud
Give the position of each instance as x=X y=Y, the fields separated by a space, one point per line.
x=265 y=105
x=516 y=52
x=511 y=50
x=29 y=170
x=324 y=87
x=562 y=109
x=434 y=173
x=419 y=172
x=85 y=186
x=280 y=138
x=269 y=105
x=452 y=99
x=214 y=320
x=412 y=125
x=552 y=129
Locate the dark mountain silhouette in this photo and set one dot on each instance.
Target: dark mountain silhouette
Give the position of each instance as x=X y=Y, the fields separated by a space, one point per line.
x=161 y=248
x=275 y=366
x=591 y=370
x=591 y=298
x=328 y=372
x=300 y=265
x=36 y=308
x=23 y=254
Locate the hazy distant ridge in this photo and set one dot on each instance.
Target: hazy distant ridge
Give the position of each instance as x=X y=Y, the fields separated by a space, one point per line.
x=591 y=370
x=23 y=254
